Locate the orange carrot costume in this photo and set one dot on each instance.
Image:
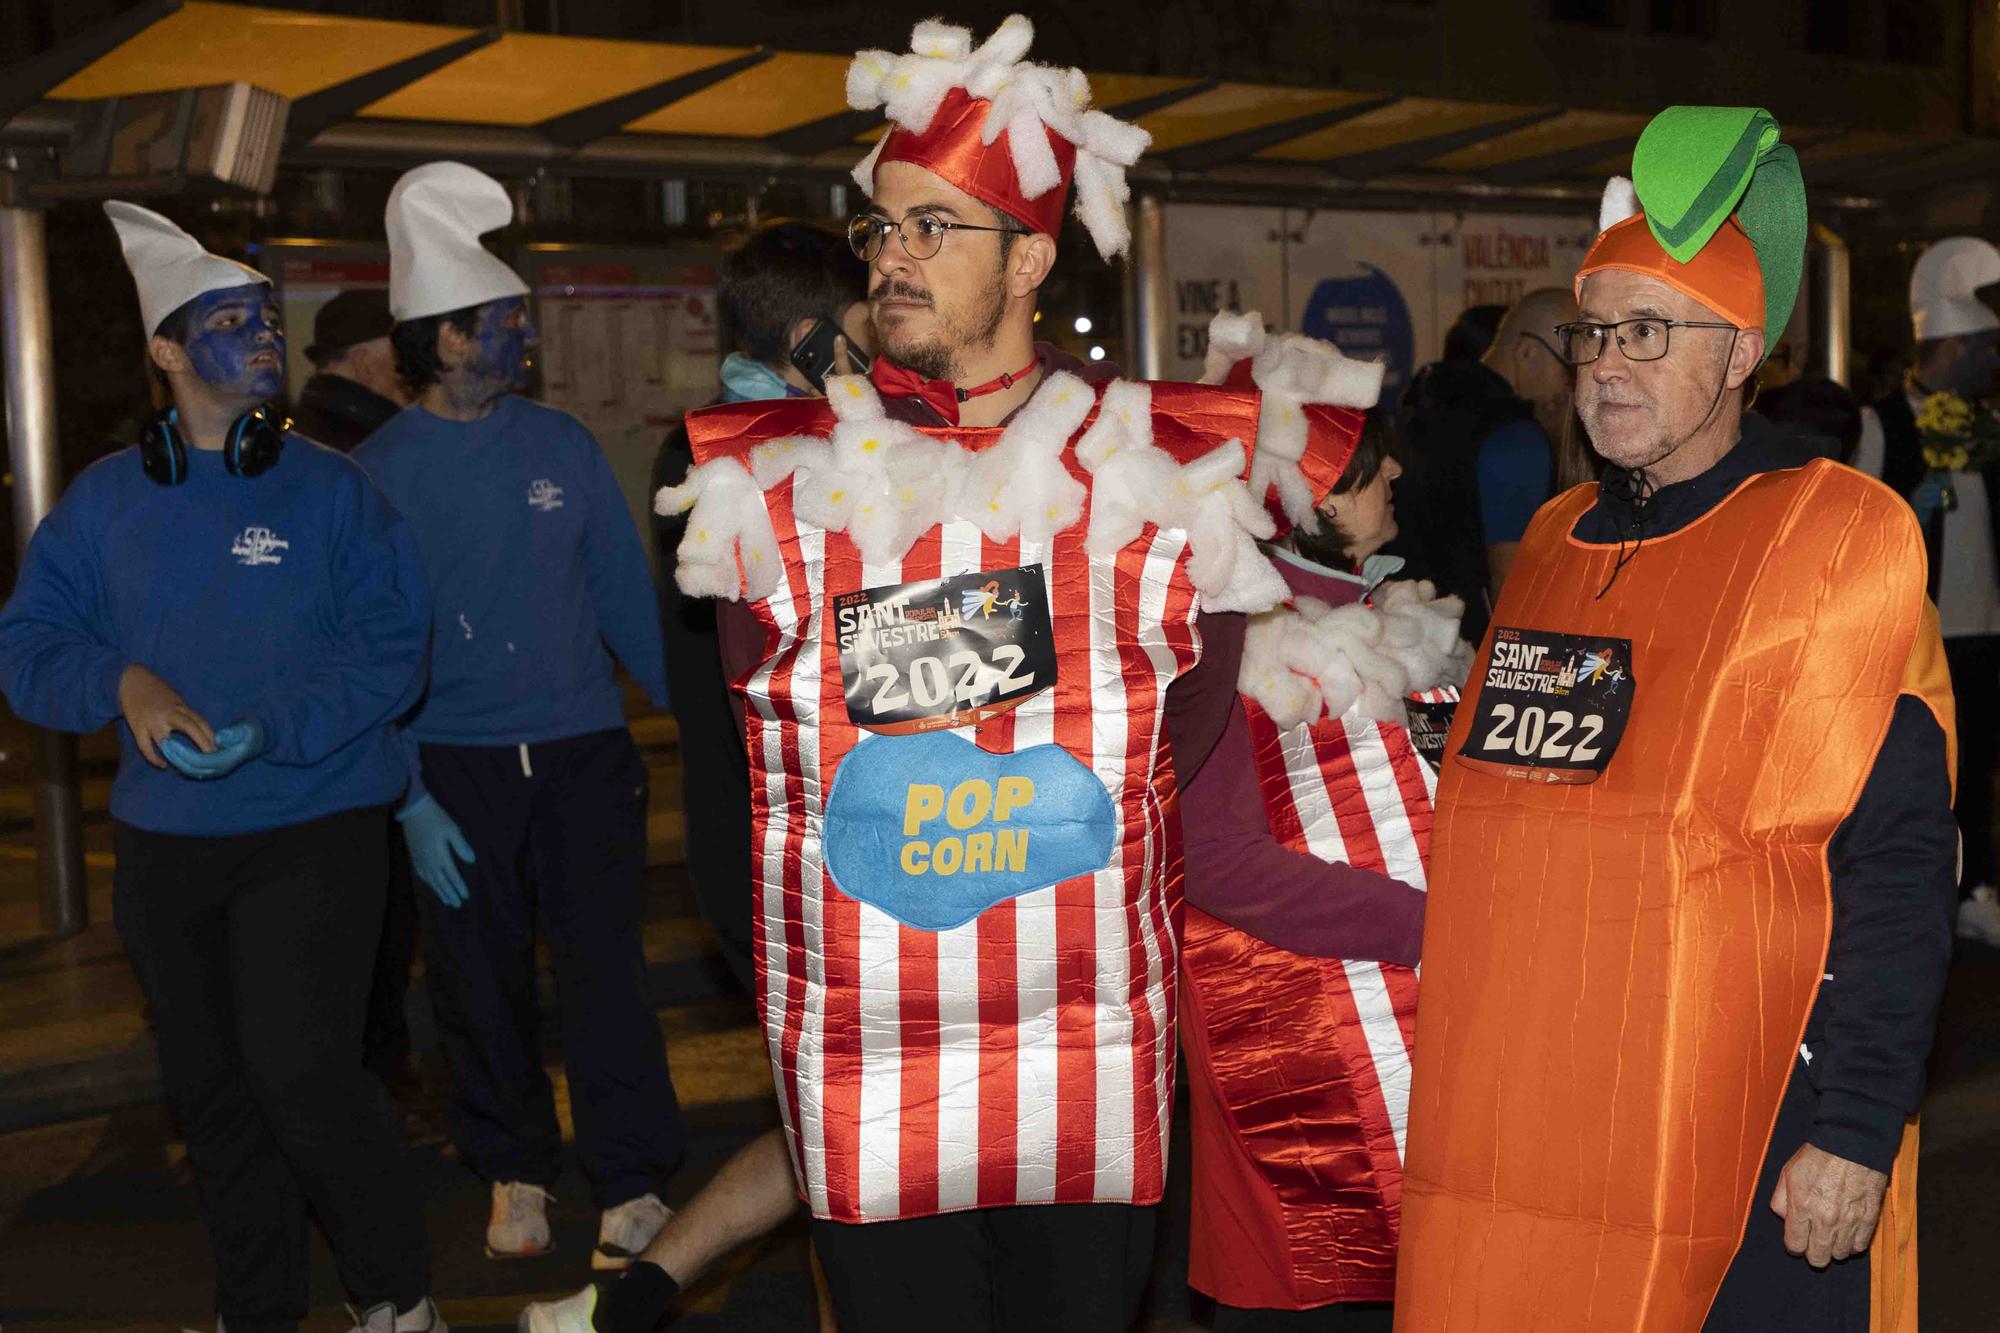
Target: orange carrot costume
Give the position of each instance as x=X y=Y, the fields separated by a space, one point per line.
x=1629 y=917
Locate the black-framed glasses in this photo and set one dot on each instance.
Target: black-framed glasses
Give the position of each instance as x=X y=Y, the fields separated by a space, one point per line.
x=922 y=234
x=1643 y=339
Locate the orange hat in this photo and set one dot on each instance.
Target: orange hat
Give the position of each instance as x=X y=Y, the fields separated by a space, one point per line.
x=1724 y=275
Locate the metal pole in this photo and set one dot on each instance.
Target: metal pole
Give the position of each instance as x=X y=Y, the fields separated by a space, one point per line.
x=29 y=351
x=1149 y=287
x=1835 y=300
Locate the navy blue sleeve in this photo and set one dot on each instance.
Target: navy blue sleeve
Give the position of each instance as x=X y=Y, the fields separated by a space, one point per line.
x=1513 y=479
x=58 y=664
x=372 y=672
x=621 y=582
x=1894 y=863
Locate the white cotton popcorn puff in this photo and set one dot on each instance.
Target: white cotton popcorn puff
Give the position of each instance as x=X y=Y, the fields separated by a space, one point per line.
x=1308 y=660
x=1620 y=201
x=885 y=484
x=729 y=549
x=1027 y=102
x=1290 y=371
x=1134 y=482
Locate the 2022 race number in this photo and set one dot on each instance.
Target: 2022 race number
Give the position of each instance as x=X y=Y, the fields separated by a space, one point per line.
x=944 y=652
x=1552 y=707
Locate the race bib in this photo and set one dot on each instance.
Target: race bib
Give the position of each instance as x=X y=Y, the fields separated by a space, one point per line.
x=943 y=653
x=1431 y=712
x=933 y=830
x=1552 y=707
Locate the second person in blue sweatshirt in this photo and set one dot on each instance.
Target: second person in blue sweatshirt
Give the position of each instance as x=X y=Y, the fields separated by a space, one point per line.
x=529 y=796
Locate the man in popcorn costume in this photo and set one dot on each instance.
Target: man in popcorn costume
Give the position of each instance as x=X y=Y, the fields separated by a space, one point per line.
x=1300 y=941
x=961 y=590
x=1691 y=888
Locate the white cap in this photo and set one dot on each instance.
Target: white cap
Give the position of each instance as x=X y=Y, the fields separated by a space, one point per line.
x=1942 y=304
x=169 y=266
x=436 y=215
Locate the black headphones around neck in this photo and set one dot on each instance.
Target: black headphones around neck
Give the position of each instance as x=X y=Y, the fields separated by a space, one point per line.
x=254 y=442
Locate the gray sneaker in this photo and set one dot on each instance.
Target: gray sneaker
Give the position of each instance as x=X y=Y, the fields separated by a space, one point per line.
x=423 y=1317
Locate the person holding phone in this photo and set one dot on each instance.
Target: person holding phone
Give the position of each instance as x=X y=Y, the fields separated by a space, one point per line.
x=794 y=308
x=253 y=617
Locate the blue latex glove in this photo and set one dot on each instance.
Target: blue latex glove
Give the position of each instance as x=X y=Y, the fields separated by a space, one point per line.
x=434 y=840
x=1932 y=494
x=235 y=745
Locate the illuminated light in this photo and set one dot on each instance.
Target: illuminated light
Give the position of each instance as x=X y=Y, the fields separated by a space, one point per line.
x=1097 y=354
x=1083 y=323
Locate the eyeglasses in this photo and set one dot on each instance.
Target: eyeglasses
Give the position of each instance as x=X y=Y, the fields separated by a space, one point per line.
x=1639 y=339
x=922 y=234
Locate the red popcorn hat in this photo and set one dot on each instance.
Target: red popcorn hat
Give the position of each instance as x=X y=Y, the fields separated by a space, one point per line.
x=1008 y=132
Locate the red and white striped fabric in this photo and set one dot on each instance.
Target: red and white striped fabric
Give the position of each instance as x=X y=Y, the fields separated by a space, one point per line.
x=1352 y=789
x=1026 y=1056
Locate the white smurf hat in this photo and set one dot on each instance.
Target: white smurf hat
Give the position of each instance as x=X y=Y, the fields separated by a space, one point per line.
x=169 y=266
x=436 y=215
x=1942 y=287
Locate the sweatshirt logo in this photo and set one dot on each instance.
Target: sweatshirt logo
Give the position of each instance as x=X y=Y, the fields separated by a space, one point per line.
x=259 y=546
x=545 y=495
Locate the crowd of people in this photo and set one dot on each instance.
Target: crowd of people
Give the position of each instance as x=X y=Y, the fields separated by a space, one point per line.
x=1532 y=808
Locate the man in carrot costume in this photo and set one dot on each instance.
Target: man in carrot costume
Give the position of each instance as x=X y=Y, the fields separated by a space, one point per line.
x=1689 y=919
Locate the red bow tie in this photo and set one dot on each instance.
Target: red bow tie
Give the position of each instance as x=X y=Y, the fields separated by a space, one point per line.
x=944 y=396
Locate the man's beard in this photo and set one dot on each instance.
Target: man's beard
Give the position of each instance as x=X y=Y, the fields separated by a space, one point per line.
x=940 y=356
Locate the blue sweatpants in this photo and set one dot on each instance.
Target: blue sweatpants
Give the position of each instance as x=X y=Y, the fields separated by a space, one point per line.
x=560 y=832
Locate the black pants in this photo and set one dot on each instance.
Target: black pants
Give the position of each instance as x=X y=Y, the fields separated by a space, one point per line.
x=255 y=953
x=1975 y=686
x=1766 y=1289
x=385 y=1039
x=1055 y=1268
x=1343 y=1317
x=560 y=833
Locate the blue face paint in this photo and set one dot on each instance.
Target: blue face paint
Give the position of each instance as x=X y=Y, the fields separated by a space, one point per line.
x=237 y=342
x=933 y=830
x=507 y=340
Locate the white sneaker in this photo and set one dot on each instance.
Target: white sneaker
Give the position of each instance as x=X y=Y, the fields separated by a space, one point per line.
x=625 y=1231
x=423 y=1317
x=518 y=1227
x=1979 y=916
x=571 y=1315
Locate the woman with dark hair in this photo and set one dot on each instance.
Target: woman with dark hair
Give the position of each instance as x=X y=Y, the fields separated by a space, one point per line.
x=1298 y=975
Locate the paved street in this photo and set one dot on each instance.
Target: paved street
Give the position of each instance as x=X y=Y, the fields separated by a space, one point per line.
x=99 y=1229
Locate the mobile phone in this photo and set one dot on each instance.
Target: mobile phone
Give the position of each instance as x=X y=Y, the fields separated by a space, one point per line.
x=813 y=356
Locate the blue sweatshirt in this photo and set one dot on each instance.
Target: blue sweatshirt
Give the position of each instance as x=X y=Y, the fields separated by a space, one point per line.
x=535 y=567
x=295 y=597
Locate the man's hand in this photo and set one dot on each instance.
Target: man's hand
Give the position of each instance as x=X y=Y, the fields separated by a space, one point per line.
x=1830 y=1205
x=155 y=711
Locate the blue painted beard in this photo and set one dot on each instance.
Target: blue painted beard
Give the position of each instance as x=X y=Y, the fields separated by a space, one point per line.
x=503 y=358
x=244 y=361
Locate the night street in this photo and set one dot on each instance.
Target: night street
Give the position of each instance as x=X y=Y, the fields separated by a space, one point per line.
x=99 y=1228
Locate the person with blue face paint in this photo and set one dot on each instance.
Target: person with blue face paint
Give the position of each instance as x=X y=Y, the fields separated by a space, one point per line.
x=250 y=613
x=528 y=796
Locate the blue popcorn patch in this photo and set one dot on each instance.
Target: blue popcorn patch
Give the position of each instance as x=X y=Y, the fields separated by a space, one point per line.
x=933 y=830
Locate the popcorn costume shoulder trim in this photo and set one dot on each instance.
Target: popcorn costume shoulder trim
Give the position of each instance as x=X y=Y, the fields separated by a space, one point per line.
x=1291 y=371
x=1309 y=660
x=1026 y=100
x=884 y=484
